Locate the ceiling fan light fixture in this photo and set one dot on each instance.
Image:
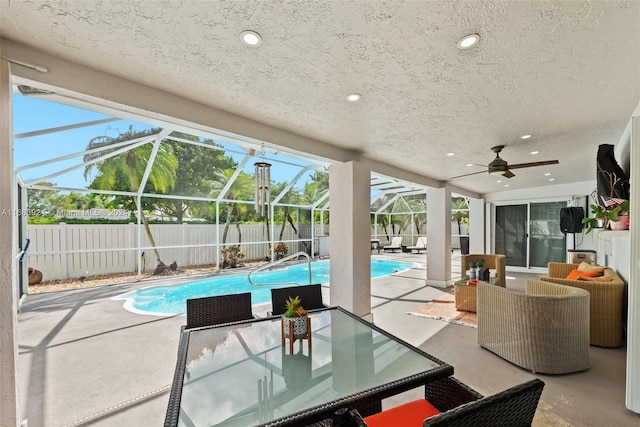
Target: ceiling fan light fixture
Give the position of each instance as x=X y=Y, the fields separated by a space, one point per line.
x=468 y=41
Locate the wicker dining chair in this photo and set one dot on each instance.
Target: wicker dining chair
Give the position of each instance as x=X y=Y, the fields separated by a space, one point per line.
x=450 y=403
x=310 y=297
x=214 y=310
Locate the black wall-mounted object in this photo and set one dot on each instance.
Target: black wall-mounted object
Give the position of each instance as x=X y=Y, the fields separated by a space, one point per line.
x=571 y=219
x=611 y=179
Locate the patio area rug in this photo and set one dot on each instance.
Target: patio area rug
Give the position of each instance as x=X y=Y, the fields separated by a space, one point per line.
x=444 y=308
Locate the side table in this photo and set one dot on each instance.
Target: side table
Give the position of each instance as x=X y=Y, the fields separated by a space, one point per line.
x=465 y=297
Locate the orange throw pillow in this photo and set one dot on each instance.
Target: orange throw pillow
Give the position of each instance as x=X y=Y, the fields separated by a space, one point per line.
x=576 y=274
x=598 y=269
x=410 y=414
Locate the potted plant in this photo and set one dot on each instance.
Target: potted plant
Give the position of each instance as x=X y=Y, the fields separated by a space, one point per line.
x=479 y=268
x=471 y=273
x=619 y=216
x=615 y=217
x=599 y=219
x=295 y=319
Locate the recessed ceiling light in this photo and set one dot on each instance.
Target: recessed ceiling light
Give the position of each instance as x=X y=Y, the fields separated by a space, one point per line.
x=547 y=174
x=527 y=136
x=506 y=185
x=468 y=41
x=451 y=154
x=251 y=38
x=499 y=180
x=354 y=97
x=469 y=164
x=535 y=152
x=552 y=179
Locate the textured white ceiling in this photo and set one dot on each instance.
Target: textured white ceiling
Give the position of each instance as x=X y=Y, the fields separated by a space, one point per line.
x=566 y=72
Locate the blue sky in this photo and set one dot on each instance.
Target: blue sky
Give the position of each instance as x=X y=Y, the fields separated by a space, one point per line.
x=33 y=114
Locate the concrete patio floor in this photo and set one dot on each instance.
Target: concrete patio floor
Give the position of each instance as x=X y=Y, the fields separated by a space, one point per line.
x=84 y=360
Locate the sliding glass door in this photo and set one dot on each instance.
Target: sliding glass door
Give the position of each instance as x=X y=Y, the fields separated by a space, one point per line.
x=529 y=234
x=511 y=234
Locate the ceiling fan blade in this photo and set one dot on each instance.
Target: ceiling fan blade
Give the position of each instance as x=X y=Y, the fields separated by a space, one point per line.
x=468 y=174
x=508 y=174
x=532 y=164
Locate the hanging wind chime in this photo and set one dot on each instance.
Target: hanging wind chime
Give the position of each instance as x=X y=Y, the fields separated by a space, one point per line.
x=262 y=179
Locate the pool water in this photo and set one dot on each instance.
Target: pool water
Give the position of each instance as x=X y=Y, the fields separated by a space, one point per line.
x=171 y=299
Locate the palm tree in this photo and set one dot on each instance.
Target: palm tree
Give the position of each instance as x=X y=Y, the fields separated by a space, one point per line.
x=459 y=212
x=240 y=189
x=292 y=197
x=128 y=169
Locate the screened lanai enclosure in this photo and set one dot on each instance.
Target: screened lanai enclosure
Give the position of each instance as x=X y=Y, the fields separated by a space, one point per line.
x=104 y=191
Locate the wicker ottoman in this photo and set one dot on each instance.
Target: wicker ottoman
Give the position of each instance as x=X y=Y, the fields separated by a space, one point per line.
x=465 y=297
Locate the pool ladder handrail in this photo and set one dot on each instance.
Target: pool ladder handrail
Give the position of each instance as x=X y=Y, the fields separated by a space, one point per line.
x=280 y=261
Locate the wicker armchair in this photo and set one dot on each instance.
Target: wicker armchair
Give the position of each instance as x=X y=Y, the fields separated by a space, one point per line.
x=461 y=406
x=218 y=309
x=607 y=300
x=498 y=262
x=545 y=329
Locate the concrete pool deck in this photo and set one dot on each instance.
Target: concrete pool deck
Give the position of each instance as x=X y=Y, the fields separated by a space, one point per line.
x=84 y=360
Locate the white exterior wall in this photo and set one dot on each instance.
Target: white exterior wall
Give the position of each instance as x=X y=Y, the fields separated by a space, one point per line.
x=439 y=237
x=633 y=321
x=350 y=275
x=9 y=415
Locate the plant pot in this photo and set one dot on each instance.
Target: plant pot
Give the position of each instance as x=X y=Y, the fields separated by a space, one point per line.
x=621 y=224
x=299 y=325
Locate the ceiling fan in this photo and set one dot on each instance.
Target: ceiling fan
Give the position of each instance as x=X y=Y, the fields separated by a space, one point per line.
x=498 y=165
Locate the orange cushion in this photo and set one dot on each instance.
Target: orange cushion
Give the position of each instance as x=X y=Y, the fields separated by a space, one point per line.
x=410 y=414
x=575 y=274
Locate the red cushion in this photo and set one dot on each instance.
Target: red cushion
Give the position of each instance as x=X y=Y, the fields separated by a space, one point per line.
x=575 y=274
x=410 y=414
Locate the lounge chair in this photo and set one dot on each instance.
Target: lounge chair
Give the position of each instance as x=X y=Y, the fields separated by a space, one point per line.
x=396 y=243
x=218 y=309
x=420 y=245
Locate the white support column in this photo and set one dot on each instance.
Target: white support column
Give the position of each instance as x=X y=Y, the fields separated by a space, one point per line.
x=9 y=412
x=439 y=237
x=476 y=227
x=350 y=275
x=633 y=321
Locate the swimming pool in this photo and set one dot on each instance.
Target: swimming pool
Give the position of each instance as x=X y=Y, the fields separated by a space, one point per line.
x=168 y=300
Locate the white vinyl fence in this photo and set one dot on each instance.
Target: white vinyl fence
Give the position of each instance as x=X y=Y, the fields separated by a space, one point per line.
x=64 y=251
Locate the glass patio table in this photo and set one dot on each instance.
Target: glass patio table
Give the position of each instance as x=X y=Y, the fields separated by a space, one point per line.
x=240 y=374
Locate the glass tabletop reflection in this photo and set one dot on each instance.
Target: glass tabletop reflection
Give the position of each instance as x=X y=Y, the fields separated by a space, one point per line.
x=241 y=375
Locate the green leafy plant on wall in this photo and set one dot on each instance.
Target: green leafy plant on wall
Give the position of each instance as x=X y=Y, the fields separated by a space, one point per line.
x=603 y=215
